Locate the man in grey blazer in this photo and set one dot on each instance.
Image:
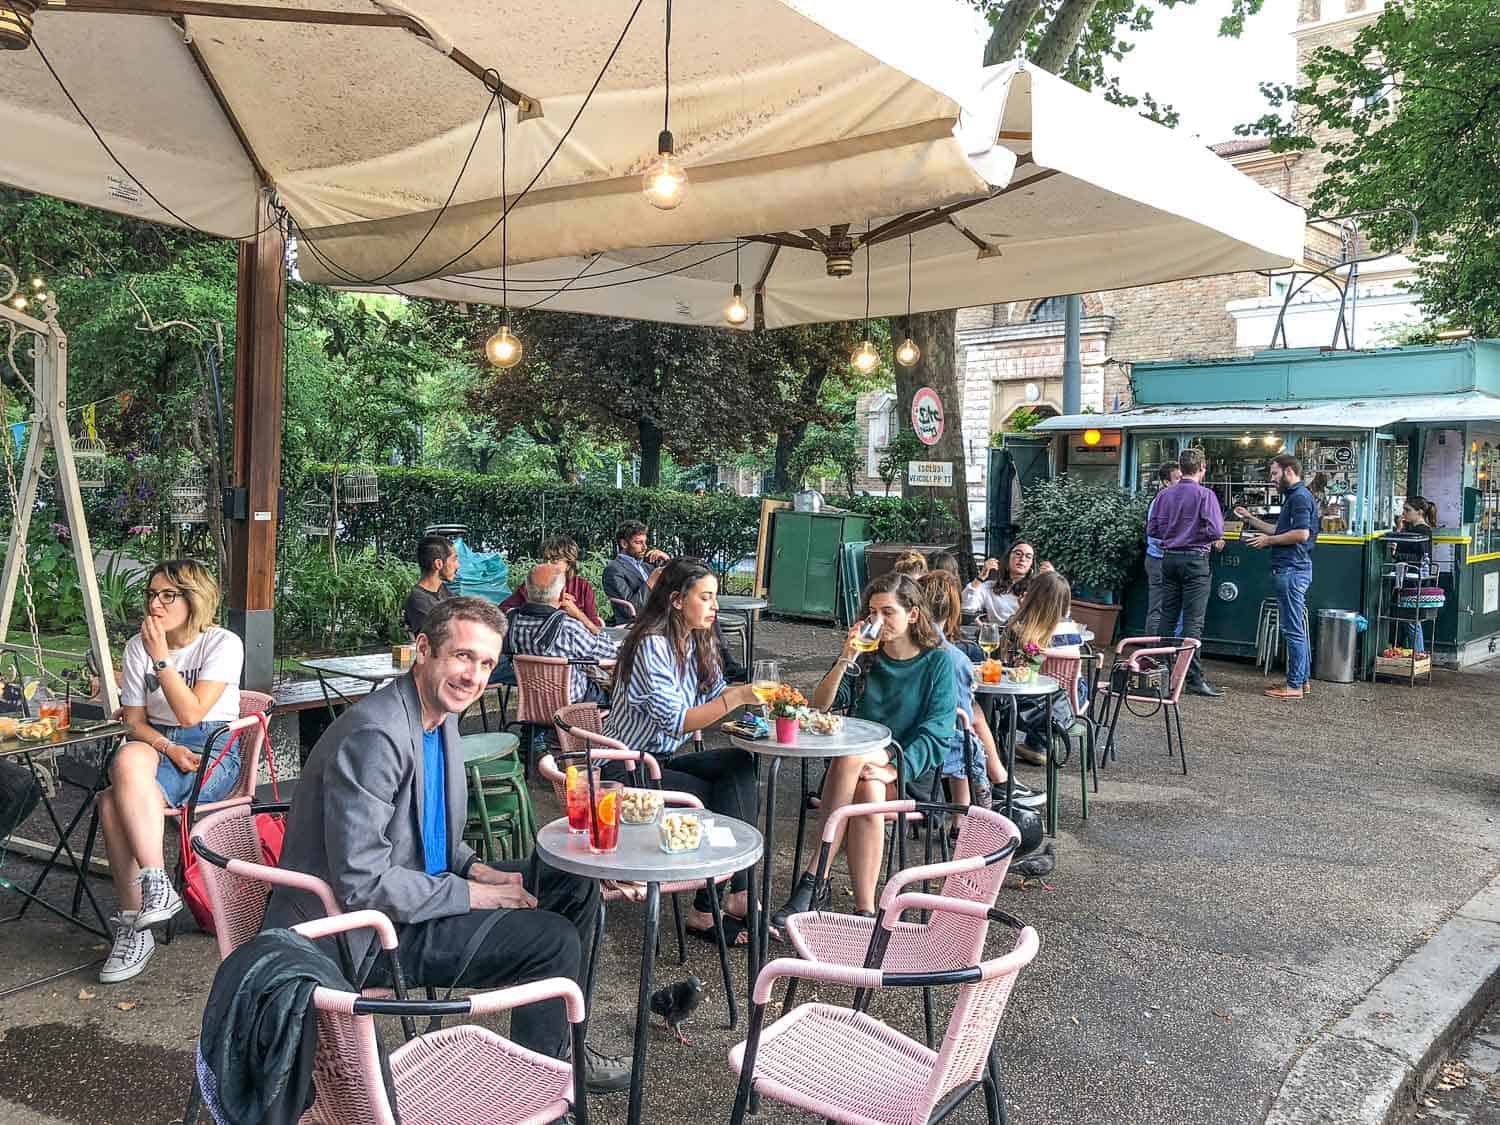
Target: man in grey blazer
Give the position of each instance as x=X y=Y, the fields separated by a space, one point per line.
x=379 y=814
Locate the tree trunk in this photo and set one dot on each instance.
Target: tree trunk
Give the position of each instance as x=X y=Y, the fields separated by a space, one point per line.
x=936 y=333
x=650 y=434
x=781 y=472
x=1010 y=31
x=1062 y=35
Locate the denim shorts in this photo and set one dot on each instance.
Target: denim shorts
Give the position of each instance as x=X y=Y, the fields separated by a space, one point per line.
x=178 y=785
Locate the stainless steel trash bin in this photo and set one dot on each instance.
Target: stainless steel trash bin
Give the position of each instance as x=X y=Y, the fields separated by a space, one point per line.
x=1337 y=646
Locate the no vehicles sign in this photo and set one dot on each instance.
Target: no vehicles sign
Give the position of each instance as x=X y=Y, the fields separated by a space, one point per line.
x=927 y=416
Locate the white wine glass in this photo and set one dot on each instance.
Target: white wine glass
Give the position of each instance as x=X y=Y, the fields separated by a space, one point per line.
x=989 y=638
x=765 y=678
x=866 y=640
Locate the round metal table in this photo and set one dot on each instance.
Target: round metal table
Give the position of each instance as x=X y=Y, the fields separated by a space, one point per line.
x=639 y=859
x=1013 y=690
x=858 y=736
x=750 y=607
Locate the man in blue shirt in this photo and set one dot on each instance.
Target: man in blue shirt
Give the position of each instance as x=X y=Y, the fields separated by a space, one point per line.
x=1169 y=474
x=1291 y=543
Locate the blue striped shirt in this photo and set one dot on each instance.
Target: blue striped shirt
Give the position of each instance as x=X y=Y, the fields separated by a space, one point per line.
x=647 y=712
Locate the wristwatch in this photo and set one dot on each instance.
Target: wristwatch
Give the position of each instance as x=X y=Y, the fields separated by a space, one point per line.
x=162 y=665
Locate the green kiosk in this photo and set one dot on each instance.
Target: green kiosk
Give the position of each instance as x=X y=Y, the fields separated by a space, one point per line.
x=1370 y=428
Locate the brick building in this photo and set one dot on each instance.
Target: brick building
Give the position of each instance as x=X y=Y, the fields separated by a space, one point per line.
x=1010 y=355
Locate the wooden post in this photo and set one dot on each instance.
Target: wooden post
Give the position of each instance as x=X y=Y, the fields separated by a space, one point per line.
x=260 y=314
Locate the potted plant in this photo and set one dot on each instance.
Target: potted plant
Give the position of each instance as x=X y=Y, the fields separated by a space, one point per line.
x=786 y=706
x=1094 y=533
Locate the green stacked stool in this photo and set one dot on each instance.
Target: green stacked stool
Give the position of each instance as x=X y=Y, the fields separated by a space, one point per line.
x=501 y=824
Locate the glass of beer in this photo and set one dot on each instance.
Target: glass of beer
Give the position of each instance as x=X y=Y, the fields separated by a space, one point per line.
x=765 y=679
x=866 y=640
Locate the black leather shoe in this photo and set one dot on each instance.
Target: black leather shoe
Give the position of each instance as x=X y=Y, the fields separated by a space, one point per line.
x=1205 y=689
x=800 y=902
x=605 y=1074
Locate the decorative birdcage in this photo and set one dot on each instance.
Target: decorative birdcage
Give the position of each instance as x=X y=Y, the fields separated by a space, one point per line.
x=317 y=511
x=359 y=486
x=88 y=459
x=187 y=502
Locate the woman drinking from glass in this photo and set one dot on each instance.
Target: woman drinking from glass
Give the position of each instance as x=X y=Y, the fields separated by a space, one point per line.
x=180 y=686
x=907 y=684
x=996 y=593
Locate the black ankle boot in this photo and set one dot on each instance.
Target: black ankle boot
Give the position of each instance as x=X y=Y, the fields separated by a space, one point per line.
x=800 y=902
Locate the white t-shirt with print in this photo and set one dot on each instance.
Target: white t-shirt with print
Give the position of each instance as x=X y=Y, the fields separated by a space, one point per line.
x=216 y=655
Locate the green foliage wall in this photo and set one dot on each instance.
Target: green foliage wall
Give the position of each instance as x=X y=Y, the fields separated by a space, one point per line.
x=1092 y=532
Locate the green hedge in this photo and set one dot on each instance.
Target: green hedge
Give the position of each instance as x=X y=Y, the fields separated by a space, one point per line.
x=506 y=516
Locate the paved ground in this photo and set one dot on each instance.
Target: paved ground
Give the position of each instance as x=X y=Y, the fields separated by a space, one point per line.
x=1467 y=1089
x=1198 y=932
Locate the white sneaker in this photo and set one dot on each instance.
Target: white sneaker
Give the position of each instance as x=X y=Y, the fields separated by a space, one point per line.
x=159 y=902
x=132 y=949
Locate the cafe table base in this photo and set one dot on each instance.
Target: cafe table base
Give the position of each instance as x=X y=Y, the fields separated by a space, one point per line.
x=111 y=734
x=1013 y=691
x=640 y=859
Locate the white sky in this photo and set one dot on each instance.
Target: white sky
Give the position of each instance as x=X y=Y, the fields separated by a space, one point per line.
x=1214 y=83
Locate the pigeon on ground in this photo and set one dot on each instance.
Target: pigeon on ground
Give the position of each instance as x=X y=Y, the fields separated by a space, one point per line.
x=1038 y=864
x=676 y=1002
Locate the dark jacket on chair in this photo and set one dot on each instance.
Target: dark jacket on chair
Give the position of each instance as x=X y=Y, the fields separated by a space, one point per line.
x=260 y=1029
x=623 y=581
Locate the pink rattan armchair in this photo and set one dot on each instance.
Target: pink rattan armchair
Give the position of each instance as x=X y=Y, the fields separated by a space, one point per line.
x=459 y=1074
x=1068 y=670
x=1136 y=658
x=605 y=749
x=841 y=1064
x=975 y=874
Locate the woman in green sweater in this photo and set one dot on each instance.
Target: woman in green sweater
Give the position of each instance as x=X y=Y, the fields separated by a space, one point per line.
x=907 y=684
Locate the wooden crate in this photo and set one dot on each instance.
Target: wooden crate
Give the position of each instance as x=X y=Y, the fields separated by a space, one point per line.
x=1402 y=666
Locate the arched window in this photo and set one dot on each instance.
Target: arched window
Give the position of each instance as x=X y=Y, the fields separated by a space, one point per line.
x=1052 y=308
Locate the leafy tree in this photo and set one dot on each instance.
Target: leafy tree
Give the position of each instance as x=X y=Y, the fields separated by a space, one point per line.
x=828 y=452
x=1408 y=117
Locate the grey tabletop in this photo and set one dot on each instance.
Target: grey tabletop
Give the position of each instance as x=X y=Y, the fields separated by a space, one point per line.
x=1040 y=685
x=377 y=667
x=14 y=747
x=858 y=736
x=639 y=858
x=487 y=746
x=741 y=603
x=971 y=632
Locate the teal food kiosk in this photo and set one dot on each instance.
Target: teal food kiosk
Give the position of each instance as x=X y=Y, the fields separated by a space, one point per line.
x=1370 y=428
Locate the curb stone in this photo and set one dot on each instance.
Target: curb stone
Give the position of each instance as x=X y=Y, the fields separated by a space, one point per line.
x=1369 y=1067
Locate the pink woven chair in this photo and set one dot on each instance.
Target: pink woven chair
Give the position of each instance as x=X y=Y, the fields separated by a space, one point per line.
x=541 y=687
x=841 y=1064
x=1135 y=656
x=605 y=749
x=975 y=874
x=458 y=1074
x=1068 y=670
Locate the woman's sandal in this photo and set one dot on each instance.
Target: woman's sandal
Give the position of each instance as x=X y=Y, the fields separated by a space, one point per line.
x=734 y=930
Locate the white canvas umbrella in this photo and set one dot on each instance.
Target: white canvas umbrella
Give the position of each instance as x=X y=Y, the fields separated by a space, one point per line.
x=361 y=115
x=1094 y=197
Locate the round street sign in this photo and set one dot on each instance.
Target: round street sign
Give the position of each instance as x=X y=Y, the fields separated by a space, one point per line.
x=927 y=416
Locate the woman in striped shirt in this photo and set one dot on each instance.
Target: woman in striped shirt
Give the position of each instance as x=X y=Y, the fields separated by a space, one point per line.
x=669 y=682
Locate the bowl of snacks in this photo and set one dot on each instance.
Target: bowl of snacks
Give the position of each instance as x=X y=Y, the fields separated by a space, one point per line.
x=681 y=831
x=37 y=730
x=821 y=722
x=640 y=806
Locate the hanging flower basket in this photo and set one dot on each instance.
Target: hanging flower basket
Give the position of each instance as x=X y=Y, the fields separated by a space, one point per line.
x=88 y=458
x=187 y=502
x=359 y=486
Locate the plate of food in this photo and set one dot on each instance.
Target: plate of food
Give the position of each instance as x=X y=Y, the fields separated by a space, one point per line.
x=37 y=730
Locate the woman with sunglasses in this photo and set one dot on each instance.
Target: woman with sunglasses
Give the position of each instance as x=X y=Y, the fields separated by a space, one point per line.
x=180 y=685
x=996 y=593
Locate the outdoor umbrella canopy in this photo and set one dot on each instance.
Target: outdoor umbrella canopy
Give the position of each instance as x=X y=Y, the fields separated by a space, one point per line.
x=382 y=140
x=1093 y=197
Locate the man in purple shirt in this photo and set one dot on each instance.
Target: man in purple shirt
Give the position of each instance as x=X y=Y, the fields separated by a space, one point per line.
x=1188 y=522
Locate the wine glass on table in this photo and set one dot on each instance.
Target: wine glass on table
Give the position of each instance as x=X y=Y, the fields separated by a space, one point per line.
x=989 y=638
x=764 y=680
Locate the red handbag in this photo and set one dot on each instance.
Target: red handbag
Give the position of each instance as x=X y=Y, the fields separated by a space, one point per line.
x=270 y=827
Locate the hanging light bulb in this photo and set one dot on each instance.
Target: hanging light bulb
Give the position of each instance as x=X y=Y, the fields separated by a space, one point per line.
x=503 y=349
x=737 y=312
x=865 y=358
x=19 y=302
x=665 y=182
x=38 y=284
x=907 y=353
